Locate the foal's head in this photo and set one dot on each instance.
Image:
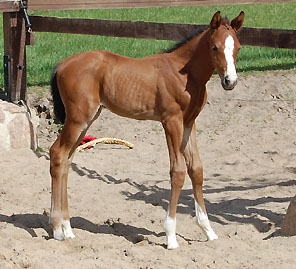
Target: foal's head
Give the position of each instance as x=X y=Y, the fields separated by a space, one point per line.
x=224 y=47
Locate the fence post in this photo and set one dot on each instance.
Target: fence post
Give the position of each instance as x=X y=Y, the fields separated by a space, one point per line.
x=15 y=55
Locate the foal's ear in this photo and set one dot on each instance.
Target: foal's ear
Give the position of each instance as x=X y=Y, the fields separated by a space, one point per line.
x=216 y=20
x=237 y=23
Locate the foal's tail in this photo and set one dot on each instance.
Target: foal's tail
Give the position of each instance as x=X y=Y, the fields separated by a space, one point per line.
x=59 y=109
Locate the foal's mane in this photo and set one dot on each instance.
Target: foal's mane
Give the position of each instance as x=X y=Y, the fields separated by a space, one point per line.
x=225 y=21
x=182 y=42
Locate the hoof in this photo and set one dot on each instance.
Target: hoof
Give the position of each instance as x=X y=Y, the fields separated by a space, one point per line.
x=172 y=243
x=67 y=229
x=173 y=246
x=58 y=235
x=211 y=235
x=69 y=234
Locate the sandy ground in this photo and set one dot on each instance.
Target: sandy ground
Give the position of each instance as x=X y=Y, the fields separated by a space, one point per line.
x=118 y=197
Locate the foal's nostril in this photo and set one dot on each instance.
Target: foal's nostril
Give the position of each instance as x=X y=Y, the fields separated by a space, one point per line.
x=226 y=81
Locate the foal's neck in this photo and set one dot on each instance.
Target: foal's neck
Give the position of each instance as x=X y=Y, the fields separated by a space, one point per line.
x=195 y=56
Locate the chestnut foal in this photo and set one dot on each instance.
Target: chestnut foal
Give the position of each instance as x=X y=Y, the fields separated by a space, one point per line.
x=168 y=87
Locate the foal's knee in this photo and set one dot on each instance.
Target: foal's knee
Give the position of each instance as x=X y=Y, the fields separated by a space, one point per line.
x=177 y=178
x=196 y=174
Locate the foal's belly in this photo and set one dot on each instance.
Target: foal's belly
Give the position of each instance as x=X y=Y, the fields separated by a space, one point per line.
x=137 y=105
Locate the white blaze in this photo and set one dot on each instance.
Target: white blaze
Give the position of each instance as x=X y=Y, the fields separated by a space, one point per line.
x=228 y=51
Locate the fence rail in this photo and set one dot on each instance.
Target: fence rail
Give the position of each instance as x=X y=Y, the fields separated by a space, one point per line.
x=13 y=5
x=9 y=6
x=276 y=38
x=94 y=4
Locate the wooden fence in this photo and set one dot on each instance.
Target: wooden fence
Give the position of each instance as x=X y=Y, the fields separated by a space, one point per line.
x=12 y=5
x=16 y=36
x=275 y=38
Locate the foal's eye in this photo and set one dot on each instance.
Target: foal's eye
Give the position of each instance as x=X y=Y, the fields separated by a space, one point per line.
x=214 y=48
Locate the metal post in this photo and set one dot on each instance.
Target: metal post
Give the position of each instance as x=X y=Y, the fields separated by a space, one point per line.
x=7 y=77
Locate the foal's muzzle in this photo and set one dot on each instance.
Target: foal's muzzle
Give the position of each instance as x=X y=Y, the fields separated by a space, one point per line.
x=227 y=83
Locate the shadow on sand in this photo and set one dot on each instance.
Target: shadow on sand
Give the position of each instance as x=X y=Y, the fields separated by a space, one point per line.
x=223 y=212
x=29 y=222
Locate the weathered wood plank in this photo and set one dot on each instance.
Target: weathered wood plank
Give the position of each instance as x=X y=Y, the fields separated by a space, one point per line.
x=100 y=4
x=9 y=6
x=137 y=29
x=14 y=48
x=276 y=38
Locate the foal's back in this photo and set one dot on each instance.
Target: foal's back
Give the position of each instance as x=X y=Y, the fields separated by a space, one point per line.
x=137 y=88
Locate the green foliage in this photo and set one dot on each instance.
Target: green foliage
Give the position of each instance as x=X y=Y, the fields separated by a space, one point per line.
x=52 y=47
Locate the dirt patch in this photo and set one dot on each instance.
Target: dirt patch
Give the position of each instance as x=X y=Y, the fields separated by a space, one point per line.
x=118 y=197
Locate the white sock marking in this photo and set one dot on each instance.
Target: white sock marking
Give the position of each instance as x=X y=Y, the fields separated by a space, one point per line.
x=67 y=229
x=203 y=222
x=228 y=52
x=58 y=233
x=170 y=229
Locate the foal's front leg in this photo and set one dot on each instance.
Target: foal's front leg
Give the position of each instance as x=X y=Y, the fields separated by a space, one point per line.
x=195 y=171
x=174 y=132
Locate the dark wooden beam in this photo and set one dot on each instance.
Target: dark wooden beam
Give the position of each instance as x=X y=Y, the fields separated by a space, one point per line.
x=9 y=6
x=136 y=29
x=263 y=37
x=100 y=4
x=276 y=38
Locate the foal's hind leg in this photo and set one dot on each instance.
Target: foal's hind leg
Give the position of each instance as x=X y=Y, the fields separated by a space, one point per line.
x=195 y=171
x=61 y=155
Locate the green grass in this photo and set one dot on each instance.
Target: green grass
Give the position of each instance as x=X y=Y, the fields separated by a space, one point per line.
x=51 y=48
